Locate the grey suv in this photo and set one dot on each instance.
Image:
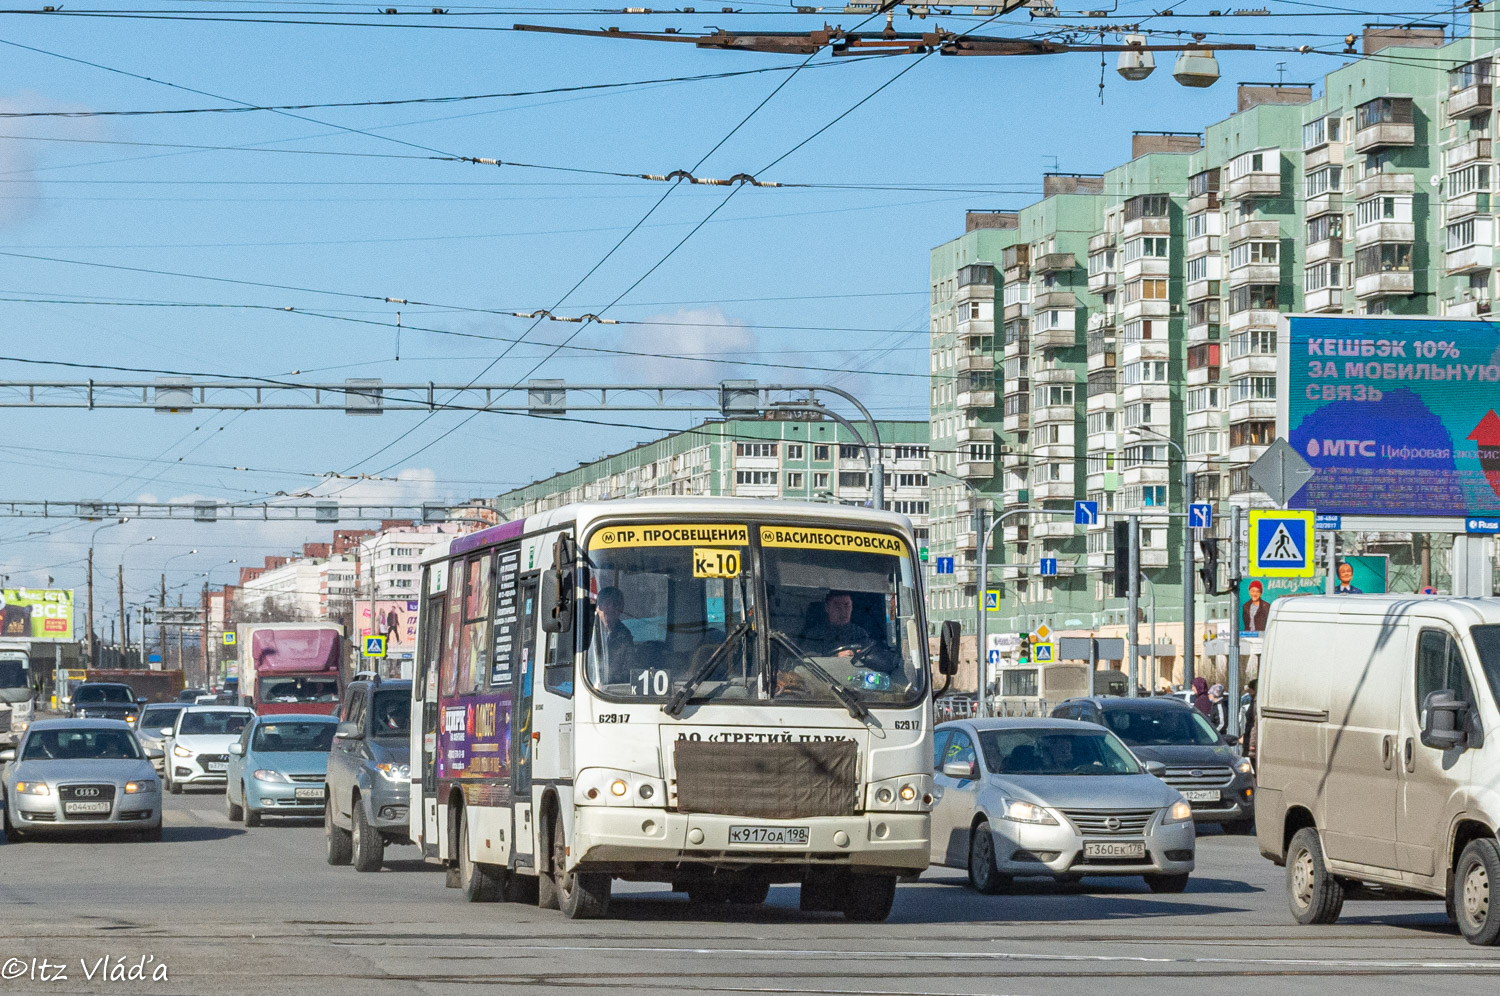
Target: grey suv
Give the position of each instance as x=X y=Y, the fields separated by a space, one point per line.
x=1178 y=745
x=369 y=774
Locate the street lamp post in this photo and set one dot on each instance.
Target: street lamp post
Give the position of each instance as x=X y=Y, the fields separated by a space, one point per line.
x=980 y=521
x=93 y=641
x=1189 y=578
x=124 y=621
x=207 y=579
x=161 y=604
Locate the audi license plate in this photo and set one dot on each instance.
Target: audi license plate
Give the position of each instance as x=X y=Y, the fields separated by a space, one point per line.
x=794 y=836
x=1201 y=795
x=85 y=807
x=1114 y=849
x=313 y=794
x=217 y=766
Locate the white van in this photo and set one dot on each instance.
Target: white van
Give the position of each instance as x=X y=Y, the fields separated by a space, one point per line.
x=1377 y=775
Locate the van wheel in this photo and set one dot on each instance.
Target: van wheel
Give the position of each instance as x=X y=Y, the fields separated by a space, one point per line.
x=234 y=812
x=983 y=875
x=869 y=898
x=479 y=882
x=367 y=846
x=1473 y=892
x=1313 y=895
x=340 y=847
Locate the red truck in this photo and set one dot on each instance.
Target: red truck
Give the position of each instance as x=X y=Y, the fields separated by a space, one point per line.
x=291 y=667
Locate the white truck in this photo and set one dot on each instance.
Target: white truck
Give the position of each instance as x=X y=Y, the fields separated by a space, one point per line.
x=17 y=691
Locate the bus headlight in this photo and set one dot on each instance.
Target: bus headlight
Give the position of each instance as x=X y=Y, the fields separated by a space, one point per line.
x=904 y=793
x=614 y=787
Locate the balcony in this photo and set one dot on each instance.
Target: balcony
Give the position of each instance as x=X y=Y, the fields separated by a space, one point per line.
x=1256 y=229
x=1254 y=318
x=1246 y=364
x=1201 y=246
x=1469 y=307
x=1472 y=150
x=964 y=574
x=1148 y=225
x=1328 y=202
x=1146 y=266
x=1061 y=414
x=1255 y=273
x=1198 y=290
x=1385 y=134
x=1014 y=261
x=1321 y=156
x=1255 y=185
x=1100 y=242
x=1101 y=281
x=1053 y=299
x=966 y=540
x=1470 y=259
x=1474 y=202
x=1053 y=491
x=976 y=399
x=1203 y=202
x=1385 y=231
x=1469 y=101
x=1328 y=299
x=1102 y=360
x=1258 y=410
x=1017 y=311
x=971 y=362
x=1385 y=183
x=976 y=470
x=1054 y=262
x=1385 y=283
x=1327 y=249
x=1017 y=421
x=974 y=434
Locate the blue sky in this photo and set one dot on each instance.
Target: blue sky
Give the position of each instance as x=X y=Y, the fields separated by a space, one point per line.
x=831 y=279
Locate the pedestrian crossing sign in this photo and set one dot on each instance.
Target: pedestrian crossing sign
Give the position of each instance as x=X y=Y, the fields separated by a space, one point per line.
x=1043 y=653
x=374 y=646
x=1281 y=544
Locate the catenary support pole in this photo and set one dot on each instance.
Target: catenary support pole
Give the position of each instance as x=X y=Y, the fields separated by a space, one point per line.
x=1134 y=604
x=1234 y=622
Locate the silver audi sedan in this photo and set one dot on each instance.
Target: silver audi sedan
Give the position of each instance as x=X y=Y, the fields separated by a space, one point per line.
x=1056 y=798
x=80 y=774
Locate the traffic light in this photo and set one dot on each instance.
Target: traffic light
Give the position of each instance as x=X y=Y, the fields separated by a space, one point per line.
x=1023 y=653
x=1122 y=559
x=1209 y=572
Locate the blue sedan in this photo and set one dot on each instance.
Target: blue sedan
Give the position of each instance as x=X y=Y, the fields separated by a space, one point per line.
x=279 y=767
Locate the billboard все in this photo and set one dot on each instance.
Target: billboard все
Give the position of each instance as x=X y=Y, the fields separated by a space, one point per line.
x=1397 y=416
x=396 y=620
x=37 y=613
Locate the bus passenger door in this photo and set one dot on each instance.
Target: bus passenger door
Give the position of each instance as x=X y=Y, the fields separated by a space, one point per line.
x=523 y=739
x=425 y=701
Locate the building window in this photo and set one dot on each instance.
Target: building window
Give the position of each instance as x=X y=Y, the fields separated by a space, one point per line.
x=1253 y=297
x=1383 y=110
x=1146 y=206
x=820 y=452
x=1204 y=312
x=1053 y=394
x=1323 y=276
x=911 y=452
x=853 y=479
x=1322 y=181
x=794 y=451
x=1145 y=372
x=1204 y=354
x=1248 y=253
x=1256 y=342
x=1384 y=257
x=909 y=507
x=755 y=477
x=794 y=480
x=1376 y=209
x=1461 y=234
x=1145 y=453
x=1251 y=434
x=1252 y=389
x=1325 y=227
x=1320 y=132
x=755 y=449
x=1469 y=179
x=820 y=481
x=911 y=480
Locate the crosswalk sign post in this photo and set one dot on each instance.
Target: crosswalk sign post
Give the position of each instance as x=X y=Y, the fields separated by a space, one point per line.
x=374 y=646
x=1281 y=543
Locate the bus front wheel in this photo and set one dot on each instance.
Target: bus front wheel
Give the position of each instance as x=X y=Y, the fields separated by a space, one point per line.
x=869 y=898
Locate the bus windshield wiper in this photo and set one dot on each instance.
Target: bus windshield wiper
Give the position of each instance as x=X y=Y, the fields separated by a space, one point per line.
x=674 y=706
x=856 y=708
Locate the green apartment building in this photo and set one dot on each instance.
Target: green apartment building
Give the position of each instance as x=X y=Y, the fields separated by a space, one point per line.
x=1073 y=337
x=797 y=456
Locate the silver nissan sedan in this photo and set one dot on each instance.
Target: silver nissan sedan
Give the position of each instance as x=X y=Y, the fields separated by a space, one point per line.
x=80 y=774
x=1055 y=798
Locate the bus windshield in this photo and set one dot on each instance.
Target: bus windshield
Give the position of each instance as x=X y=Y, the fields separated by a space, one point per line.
x=785 y=617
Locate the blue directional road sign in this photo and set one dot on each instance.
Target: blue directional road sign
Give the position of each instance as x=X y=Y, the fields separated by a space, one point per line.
x=1085 y=513
x=1474 y=525
x=1048 y=567
x=994 y=656
x=945 y=565
x=1281 y=543
x=1201 y=515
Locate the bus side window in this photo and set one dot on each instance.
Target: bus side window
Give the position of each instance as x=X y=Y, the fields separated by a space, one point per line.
x=558 y=673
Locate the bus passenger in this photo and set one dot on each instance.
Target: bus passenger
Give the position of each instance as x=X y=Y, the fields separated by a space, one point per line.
x=619 y=642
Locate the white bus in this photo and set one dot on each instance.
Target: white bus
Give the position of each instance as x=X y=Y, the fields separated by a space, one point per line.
x=720 y=694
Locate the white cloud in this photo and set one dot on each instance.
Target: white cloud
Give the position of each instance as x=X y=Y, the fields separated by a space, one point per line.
x=701 y=336
x=19 y=157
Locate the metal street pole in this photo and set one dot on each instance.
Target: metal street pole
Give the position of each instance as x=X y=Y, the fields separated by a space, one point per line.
x=1189 y=577
x=981 y=623
x=984 y=543
x=161 y=602
x=124 y=633
x=93 y=655
x=1234 y=620
x=1134 y=604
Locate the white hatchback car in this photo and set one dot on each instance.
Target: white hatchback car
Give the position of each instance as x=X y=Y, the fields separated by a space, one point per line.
x=196 y=747
x=1057 y=798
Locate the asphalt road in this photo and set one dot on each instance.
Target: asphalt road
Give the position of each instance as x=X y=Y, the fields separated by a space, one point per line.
x=231 y=910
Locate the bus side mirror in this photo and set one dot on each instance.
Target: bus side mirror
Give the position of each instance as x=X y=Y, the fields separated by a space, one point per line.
x=558 y=588
x=948 y=647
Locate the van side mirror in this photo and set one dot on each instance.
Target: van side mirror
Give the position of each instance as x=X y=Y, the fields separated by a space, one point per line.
x=1444 y=727
x=948 y=647
x=558 y=588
